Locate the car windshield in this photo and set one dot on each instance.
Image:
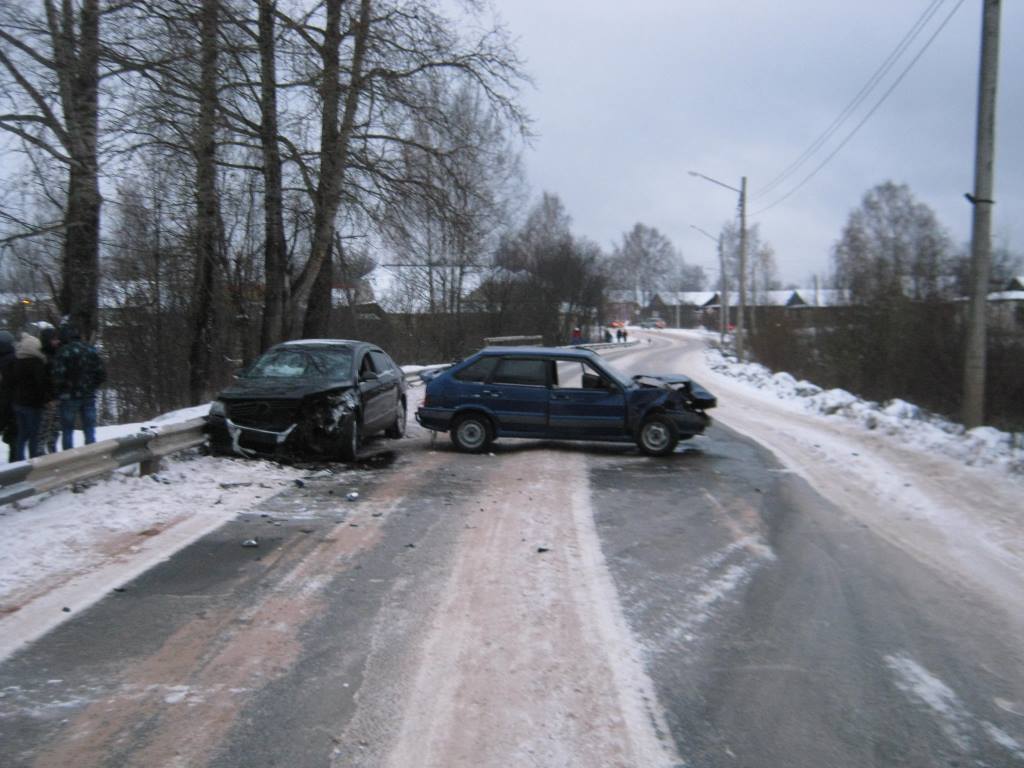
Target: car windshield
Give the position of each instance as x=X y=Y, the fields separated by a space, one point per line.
x=301 y=363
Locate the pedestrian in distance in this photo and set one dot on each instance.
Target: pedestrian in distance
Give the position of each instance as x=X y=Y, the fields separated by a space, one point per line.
x=30 y=389
x=8 y=426
x=577 y=336
x=625 y=336
x=78 y=372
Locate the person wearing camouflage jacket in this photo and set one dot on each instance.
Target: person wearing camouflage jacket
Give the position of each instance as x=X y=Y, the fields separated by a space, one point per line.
x=78 y=372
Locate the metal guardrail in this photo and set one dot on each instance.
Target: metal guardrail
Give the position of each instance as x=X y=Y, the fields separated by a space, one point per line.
x=56 y=470
x=530 y=341
x=45 y=473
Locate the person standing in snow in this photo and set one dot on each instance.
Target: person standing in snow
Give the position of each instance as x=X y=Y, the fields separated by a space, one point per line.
x=78 y=372
x=7 y=424
x=30 y=390
x=49 y=429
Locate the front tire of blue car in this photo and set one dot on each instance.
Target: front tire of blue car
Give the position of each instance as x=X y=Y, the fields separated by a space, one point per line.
x=658 y=436
x=471 y=433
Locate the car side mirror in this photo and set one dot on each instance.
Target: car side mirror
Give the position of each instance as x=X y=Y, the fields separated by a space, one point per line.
x=368 y=376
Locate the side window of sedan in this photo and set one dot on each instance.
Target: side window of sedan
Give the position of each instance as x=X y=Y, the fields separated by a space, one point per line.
x=381 y=362
x=525 y=371
x=577 y=374
x=479 y=371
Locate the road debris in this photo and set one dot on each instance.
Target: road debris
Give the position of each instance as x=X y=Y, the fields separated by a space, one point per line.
x=249 y=543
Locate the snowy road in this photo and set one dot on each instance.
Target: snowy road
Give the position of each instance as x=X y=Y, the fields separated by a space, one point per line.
x=836 y=600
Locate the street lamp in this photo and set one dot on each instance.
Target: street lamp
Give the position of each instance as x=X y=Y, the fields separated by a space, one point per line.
x=723 y=301
x=743 y=253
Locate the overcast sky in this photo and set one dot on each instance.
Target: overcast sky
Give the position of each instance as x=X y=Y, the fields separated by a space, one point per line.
x=630 y=96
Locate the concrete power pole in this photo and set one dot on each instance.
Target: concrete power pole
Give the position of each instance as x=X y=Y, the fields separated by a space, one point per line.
x=723 y=299
x=981 y=228
x=743 y=270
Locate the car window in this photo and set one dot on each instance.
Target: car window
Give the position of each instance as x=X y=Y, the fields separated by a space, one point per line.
x=516 y=370
x=381 y=361
x=477 y=371
x=283 y=363
x=366 y=366
x=577 y=374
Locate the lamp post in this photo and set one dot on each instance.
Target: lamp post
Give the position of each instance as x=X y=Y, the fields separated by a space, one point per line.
x=723 y=301
x=742 y=191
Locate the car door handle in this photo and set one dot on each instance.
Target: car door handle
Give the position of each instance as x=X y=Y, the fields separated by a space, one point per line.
x=561 y=397
x=490 y=393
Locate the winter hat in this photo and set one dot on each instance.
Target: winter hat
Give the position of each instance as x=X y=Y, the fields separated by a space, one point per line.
x=29 y=346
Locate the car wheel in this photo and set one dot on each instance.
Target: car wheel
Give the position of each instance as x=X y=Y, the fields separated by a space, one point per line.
x=351 y=440
x=657 y=436
x=471 y=433
x=397 y=430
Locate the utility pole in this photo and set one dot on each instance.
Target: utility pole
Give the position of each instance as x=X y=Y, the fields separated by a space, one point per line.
x=743 y=254
x=723 y=300
x=981 y=227
x=743 y=269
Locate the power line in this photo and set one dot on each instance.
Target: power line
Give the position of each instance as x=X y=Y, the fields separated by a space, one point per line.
x=866 y=117
x=857 y=100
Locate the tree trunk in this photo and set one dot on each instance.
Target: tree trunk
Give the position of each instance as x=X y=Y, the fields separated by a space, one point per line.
x=317 y=324
x=78 y=73
x=274 y=251
x=334 y=145
x=207 y=209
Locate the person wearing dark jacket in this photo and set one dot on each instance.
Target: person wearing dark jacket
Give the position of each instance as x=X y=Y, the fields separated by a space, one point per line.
x=77 y=373
x=49 y=429
x=30 y=390
x=7 y=424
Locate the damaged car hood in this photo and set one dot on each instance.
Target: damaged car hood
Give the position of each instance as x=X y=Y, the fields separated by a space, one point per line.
x=701 y=397
x=282 y=389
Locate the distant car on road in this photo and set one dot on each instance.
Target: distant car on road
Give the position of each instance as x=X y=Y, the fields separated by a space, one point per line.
x=314 y=396
x=562 y=394
x=652 y=322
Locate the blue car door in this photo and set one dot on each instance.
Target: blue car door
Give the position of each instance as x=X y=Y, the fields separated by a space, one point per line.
x=517 y=395
x=584 y=403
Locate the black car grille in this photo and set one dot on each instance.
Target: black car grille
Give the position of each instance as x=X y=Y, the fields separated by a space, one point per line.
x=275 y=415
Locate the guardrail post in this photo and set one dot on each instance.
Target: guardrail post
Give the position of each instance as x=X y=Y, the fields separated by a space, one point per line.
x=149 y=466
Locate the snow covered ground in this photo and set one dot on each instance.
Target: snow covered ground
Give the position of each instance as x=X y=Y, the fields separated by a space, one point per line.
x=928 y=432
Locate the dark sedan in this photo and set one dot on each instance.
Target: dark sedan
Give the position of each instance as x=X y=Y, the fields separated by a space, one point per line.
x=564 y=394
x=317 y=397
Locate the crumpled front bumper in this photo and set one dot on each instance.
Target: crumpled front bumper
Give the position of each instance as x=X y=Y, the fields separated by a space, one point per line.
x=227 y=435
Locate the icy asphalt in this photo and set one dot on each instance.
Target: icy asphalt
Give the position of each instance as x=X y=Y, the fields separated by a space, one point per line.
x=551 y=604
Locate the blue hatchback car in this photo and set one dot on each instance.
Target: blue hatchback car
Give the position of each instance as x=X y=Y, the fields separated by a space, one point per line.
x=561 y=394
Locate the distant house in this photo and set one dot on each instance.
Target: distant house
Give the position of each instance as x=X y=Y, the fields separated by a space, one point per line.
x=624 y=306
x=1006 y=307
x=682 y=309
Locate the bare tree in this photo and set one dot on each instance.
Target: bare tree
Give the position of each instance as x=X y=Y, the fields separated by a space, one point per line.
x=643 y=260
x=51 y=74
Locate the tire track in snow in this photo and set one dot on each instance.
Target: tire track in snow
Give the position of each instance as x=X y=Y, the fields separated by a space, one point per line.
x=529 y=660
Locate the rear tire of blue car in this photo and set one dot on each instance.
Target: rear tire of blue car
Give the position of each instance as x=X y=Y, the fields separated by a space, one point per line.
x=471 y=433
x=658 y=436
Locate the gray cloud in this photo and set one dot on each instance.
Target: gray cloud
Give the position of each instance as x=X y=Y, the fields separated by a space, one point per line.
x=630 y=97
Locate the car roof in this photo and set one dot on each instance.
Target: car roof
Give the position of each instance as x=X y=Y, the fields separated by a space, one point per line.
x=580 y=353
x=324 y=343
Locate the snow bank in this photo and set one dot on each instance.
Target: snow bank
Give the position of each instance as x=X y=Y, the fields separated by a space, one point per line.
x=982 y=446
